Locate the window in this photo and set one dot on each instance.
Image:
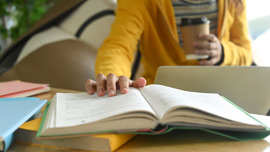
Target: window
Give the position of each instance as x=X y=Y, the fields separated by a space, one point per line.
x=258 y=14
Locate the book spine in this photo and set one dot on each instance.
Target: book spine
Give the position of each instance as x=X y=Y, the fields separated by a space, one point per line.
x=7 y=142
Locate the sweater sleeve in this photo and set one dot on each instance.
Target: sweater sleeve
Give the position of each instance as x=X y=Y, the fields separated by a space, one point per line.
x=237 y=49
x=117 y=52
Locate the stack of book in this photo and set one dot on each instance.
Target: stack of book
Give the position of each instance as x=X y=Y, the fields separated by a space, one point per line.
x=13 y=113
x=16 y=107
x=83 y=122
x=26 y=135
x=17 y=111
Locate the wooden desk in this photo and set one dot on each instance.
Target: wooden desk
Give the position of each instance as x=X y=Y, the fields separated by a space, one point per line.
x=176 y=141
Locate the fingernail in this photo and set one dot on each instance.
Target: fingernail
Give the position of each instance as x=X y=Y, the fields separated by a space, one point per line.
x=124 y=91
x=90 y=92
x=110 y=93
x=101 y=92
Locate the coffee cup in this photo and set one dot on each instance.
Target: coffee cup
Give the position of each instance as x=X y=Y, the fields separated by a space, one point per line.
x=190 y=29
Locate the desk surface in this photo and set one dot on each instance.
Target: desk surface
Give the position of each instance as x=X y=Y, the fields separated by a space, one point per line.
x=174 y=141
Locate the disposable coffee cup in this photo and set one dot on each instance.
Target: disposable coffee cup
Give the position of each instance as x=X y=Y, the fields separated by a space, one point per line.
x=190 y=29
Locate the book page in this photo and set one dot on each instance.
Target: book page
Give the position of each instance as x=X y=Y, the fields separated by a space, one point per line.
x=163 y=99
x=80 y=108
x=263 y=119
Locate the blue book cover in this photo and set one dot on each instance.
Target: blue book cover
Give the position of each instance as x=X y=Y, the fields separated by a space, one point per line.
x=13 y=113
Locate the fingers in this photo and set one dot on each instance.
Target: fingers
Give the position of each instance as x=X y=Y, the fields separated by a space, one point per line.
x=124 y=84
x=90 y=86
x=208 y=62
x=111 y=84
x=140 y=82
x=211 y=53
x=210 y=43
x=101 y=84
x=210 y=46
x=208 y=37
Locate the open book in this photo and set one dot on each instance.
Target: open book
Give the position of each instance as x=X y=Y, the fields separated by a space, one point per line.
x=151 y=109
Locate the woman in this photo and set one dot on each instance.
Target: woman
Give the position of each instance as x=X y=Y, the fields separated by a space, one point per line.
x=154 y=23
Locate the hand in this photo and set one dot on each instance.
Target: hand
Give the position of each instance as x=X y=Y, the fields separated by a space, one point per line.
x=211 y=47
x=111 y=83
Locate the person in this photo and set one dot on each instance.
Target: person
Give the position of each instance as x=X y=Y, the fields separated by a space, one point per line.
x=154 y=23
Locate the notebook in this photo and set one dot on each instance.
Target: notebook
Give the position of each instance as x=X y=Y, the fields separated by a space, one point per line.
x=246 y=86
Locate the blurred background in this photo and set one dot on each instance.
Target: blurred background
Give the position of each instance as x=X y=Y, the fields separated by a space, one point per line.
x=17 y=16
x=258 y=14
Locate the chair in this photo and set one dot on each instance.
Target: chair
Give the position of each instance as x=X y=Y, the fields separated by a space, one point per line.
x=61 y=48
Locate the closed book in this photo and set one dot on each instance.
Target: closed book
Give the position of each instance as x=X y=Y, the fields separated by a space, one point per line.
x=26 y=134
x=12 y=89
x=13 y=113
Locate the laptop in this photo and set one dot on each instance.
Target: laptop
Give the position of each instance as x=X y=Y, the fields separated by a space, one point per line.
x=246 y=86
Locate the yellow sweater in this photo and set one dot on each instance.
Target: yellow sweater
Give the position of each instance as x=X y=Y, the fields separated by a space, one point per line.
x=153 y=23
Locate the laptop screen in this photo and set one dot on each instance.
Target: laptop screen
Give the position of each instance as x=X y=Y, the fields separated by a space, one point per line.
x=248 y=87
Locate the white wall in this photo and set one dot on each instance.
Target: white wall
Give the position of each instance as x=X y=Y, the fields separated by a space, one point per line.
x=257 y=8
x=258 y=14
